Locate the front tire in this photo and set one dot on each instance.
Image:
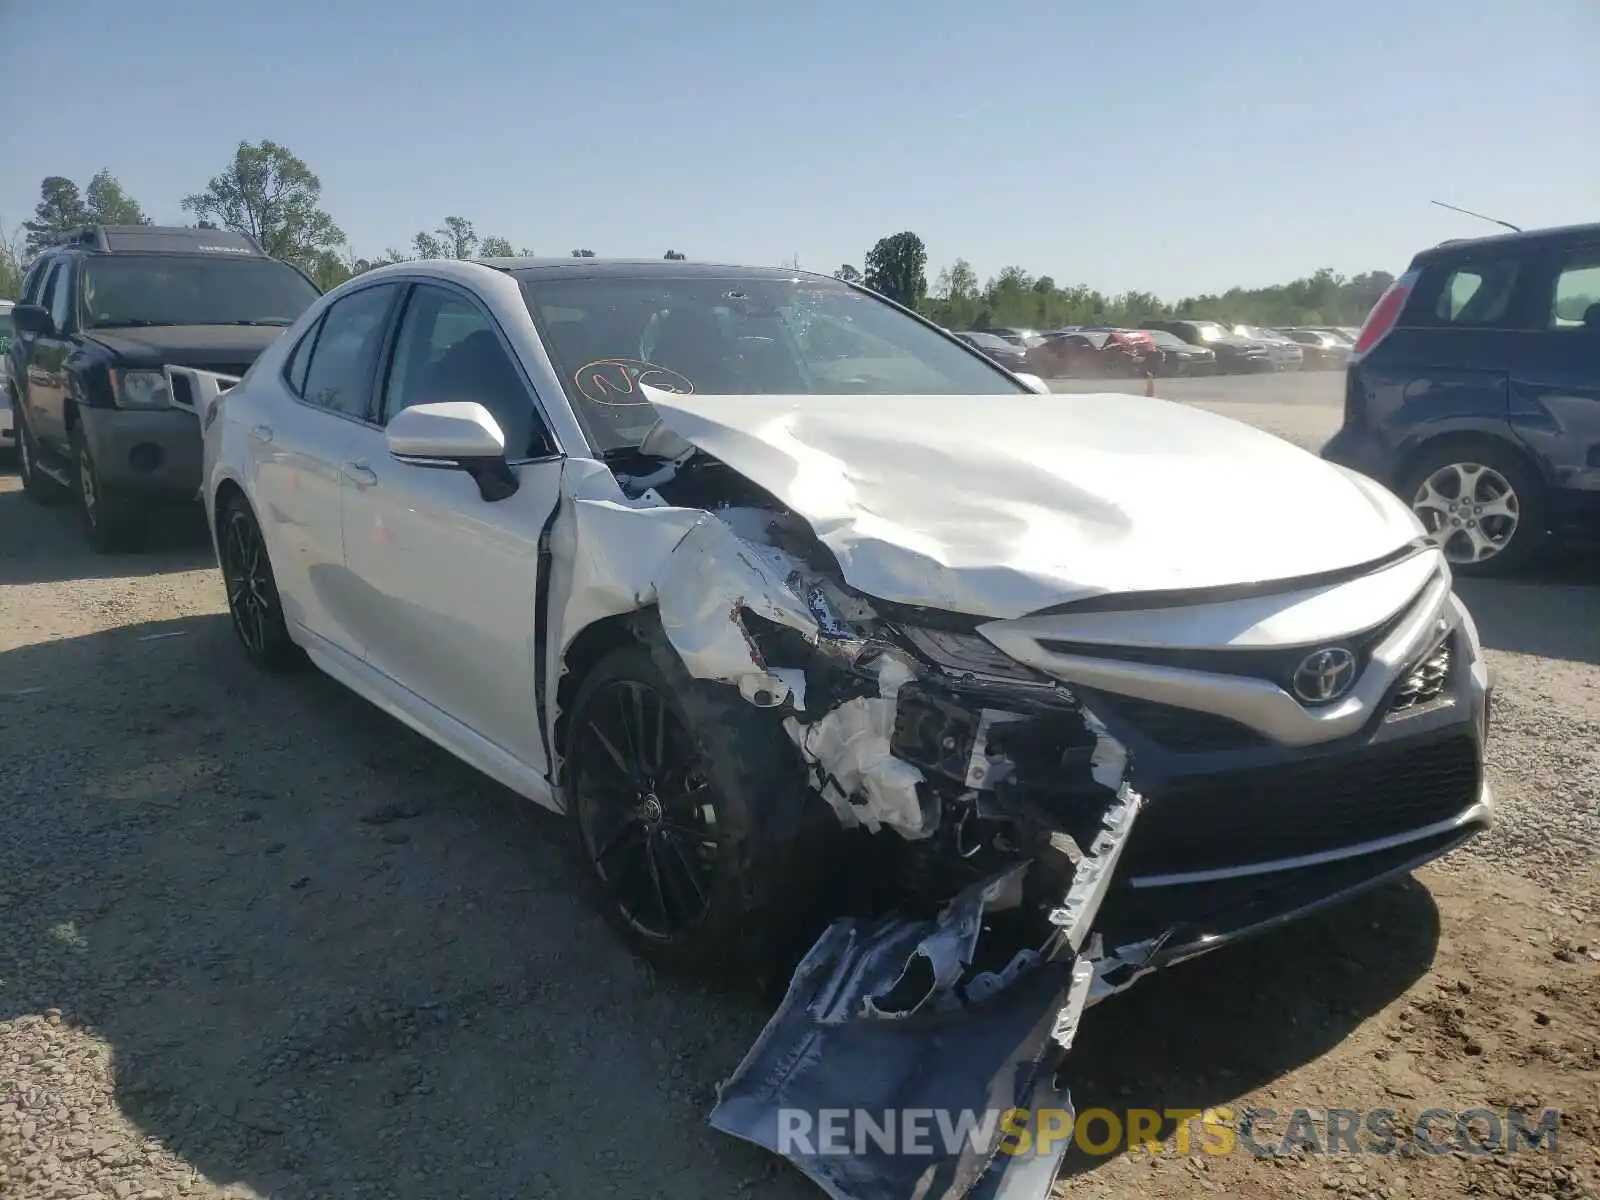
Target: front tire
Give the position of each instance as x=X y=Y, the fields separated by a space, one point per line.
x=253 y=602
x=1481 y=502
x=690 y=810
x=113 y=523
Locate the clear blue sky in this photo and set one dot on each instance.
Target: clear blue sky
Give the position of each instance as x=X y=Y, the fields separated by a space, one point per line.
x=1167 y=145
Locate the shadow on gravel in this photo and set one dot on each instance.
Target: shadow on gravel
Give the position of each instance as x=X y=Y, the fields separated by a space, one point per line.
x=330 y=960
x=1208 y=1031
x=40 y=544
x=1552 y=611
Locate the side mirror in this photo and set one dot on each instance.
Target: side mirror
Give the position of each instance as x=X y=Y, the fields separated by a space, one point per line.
x=454 y=436
x=33 y=318
x=1033 y=383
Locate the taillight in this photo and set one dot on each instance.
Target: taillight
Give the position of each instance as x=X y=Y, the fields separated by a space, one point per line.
x=1385 y=313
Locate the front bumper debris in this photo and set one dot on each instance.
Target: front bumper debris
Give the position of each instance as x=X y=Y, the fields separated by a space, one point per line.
x=893 y=1070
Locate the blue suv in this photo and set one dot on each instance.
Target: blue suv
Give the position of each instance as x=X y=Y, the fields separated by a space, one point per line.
x=1473 y=392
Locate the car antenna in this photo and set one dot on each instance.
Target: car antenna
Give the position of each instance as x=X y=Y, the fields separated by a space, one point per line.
x=1480 y=216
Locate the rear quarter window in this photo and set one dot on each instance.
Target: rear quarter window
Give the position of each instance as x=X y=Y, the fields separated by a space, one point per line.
x=1468 y=295
x=1575 y=303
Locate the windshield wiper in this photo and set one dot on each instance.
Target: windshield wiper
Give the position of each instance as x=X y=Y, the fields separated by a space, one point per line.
x=131 y=323
x=269 y=321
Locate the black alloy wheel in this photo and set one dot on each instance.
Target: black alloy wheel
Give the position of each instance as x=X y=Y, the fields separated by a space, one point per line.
x=646 y=810
x=253 y=601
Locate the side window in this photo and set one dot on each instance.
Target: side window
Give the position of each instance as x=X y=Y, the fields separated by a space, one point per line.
x=448 y=349
x=47 y=298
x=33 y=285
x=339 y=375
x=1476 y=294
x=1575 y=303
x=61 y=303
x=295 y=366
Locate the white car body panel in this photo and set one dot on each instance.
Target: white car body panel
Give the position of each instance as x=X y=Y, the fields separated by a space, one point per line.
x=1001 y=506
x=438 y=586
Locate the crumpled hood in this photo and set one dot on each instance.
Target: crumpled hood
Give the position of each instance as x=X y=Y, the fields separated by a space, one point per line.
x=189 y=345
x=998 y=506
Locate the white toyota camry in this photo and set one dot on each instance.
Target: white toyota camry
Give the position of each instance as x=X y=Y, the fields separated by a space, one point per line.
x=828 y=632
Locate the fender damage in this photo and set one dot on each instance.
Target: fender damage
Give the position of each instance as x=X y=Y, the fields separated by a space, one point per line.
x=1007 y=798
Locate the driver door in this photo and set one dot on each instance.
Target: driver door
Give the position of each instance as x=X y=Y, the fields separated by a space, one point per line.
x=450 y=578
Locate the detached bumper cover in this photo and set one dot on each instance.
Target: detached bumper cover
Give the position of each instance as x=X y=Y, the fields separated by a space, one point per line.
x=892 y=1071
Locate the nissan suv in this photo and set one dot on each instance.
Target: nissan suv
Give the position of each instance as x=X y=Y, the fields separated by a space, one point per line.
x=102 y=314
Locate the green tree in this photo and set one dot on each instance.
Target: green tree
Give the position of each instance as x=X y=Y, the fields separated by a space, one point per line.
x=331 y=269
x=109 y=205
x=674 y=256
x=269 y=194
x=496 y=247
x=896 y=266
x=583 y=254
x=848 y=274
x=455 y=238
x=13 y=259
x=459 y=237
x=60 y=210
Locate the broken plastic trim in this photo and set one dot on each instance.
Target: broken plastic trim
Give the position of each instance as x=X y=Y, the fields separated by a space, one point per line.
x=876 y=1021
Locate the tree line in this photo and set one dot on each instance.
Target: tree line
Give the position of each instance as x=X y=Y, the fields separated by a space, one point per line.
x=896 y=266
x=270 y=194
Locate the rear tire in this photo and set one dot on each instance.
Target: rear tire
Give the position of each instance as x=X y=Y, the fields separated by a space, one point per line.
x=704 y=845
x=253 y=602
x=1481 y=501
x=40 y=488
x=113 y=522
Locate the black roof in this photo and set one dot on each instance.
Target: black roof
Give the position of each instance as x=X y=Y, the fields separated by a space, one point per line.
x=1468 y=247
x=160 y=239
x=631 y=268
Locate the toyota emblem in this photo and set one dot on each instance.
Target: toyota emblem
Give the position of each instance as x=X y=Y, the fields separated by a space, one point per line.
x=1325 y=675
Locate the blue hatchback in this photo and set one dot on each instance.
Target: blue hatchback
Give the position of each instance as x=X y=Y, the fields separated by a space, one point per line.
x=1473 y=392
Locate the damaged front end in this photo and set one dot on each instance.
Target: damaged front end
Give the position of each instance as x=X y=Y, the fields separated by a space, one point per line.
x=991 y=807
x=996 y=806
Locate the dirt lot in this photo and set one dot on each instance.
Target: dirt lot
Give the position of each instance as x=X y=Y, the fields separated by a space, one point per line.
x=256 y=936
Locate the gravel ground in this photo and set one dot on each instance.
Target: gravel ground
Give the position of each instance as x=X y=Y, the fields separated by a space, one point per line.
x=258 y=939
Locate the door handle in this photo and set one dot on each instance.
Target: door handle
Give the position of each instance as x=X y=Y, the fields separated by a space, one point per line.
x=261 y=433
x=359 y=474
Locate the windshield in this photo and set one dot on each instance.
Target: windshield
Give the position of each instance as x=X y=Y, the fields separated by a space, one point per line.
x=6 y=330
x=144 y=290
x=1170 y=340
x=734 y=335
x=1210 y=331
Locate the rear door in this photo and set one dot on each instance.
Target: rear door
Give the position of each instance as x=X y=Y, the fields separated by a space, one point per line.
x=322 y=402
x=47 y=356
x=1555 y=385
x=1446 y=367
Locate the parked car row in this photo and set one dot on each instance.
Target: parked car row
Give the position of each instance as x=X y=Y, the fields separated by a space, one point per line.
x=1168 y=347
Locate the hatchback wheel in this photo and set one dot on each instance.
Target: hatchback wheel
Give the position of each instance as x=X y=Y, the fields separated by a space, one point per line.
x=253 y=601
x=1482 y=505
